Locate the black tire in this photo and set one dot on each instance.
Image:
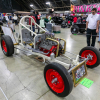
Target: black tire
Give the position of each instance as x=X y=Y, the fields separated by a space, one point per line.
x=94 y=52
x=68 y=83
x=9 y=45
x=74 y=29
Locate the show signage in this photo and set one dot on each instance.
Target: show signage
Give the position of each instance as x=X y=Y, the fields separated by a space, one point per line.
x=86 y=8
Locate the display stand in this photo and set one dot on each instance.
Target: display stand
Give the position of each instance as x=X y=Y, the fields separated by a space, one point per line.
x=57 y=29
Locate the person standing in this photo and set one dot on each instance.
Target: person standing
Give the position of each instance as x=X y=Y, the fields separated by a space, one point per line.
x=10 y=17
x=33 y=25
x=75 y=19
x=15 y=19
x=79 y=20
x=92 y=27
x=7 y=19
x=37 y=16
x=19 y=17
x=99 y=36
x=46 y=20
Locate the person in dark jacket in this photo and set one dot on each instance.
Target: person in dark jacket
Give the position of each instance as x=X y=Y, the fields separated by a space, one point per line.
x=10 y=17
x=37 y=16
x=46 y=20
x=79 y=20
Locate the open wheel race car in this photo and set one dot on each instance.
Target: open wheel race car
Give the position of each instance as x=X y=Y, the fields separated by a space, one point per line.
x=46 y=45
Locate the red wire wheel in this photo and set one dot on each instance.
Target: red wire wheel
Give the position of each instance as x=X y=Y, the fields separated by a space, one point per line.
x=94 y=54
x=7 y=45
x=58 y=79
x=4 y=46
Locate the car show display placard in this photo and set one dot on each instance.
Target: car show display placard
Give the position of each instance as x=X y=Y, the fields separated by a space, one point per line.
x=79 y=72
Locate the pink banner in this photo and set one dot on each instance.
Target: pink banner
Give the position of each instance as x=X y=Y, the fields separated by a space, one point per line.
x=86 y=8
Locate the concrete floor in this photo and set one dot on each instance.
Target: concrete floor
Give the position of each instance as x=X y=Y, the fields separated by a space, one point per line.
x=21 y=77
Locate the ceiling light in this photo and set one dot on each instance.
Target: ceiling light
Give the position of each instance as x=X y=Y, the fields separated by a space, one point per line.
x=52 y=9
x=48 y=3
x=31 y=5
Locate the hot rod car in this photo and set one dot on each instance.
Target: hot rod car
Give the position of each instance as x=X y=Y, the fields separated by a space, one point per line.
x=79 y=27
x=59 y=79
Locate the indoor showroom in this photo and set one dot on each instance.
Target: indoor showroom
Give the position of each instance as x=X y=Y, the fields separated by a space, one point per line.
x=49 y=49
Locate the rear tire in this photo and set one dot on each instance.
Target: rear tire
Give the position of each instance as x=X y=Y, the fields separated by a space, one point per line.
x=93 y=52
x=64 y=84
x=7 y=45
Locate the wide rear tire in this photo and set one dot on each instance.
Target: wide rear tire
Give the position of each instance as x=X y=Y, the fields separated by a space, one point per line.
x=7 y=45
x=63 y=84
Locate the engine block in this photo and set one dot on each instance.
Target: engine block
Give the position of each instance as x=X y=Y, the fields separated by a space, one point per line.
x=48 y=46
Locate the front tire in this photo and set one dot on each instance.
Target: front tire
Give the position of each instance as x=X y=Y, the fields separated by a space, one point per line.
x=7 y=45
x=94 y=53
x=58 y=79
